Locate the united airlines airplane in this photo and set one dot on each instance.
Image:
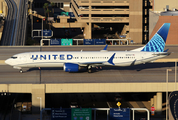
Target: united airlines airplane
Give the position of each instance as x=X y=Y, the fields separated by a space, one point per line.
x=73 y=61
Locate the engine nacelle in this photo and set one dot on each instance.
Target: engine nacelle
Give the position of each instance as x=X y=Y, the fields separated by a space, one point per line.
x=71 y=67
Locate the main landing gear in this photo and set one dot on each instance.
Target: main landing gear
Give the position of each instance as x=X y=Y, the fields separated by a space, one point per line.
x=89 y=69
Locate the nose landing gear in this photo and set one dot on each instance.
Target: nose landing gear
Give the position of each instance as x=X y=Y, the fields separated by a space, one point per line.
x=20 y=71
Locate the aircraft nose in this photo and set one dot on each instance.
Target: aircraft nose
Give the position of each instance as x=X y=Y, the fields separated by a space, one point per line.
x=7 y=61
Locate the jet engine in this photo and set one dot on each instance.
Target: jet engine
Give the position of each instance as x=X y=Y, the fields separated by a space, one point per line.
x=71 y=67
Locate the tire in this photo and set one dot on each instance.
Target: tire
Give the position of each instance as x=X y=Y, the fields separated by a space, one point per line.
x=21 y=71
x=89 y=71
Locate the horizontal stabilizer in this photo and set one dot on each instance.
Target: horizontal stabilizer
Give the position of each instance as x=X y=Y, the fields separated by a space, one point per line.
x=166 y=50
x=163 y=53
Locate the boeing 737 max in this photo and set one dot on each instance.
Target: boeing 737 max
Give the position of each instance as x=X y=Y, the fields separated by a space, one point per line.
x=73 y=61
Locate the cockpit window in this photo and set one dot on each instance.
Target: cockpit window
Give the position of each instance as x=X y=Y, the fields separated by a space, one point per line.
x=14 y=57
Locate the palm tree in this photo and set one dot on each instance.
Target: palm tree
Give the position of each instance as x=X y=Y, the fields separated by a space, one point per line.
x=52 y=5
x=45 y=6
x=48 y=11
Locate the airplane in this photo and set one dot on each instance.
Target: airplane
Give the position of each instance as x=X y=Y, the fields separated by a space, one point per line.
x=73 y=61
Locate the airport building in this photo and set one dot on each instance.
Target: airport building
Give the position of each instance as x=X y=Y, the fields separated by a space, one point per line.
x=117 y=19
x=121 y=14
x=164 y=12
x=162 y=5
x=3 y=14
x=123 y=18
x=3 y=8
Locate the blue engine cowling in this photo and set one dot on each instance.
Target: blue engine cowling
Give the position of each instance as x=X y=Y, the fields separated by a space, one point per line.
x=71 y=67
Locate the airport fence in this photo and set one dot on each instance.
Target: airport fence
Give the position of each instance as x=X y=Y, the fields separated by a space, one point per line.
x=69 y=42
x=93 y=113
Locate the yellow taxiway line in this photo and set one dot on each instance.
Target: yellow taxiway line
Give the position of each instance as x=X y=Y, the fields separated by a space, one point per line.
x=166 y=60
x=2 y=62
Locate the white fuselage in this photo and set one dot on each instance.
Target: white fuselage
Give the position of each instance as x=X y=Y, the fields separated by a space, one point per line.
x=57 y=59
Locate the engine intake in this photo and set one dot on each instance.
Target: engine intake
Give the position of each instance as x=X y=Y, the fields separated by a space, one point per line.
x=71 y=67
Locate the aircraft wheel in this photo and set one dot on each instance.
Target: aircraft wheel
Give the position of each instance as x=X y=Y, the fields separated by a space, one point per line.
x=21 y=71
x=89 y=71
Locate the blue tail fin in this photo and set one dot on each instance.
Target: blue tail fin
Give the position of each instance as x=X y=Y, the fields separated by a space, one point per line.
x=157 y=42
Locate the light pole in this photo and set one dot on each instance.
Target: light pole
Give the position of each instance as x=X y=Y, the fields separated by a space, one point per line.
x=42 y=29
x=167 y=70
x=40 y=102
x=175 y=75
x=31 y=15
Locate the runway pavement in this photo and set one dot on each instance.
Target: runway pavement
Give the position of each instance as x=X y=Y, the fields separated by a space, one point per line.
x=7 y=52
x=149 y=72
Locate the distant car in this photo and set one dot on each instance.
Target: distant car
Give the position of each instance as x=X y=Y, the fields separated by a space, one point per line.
x=73 y=30
x=1 y=15
x=67 y=33
x=73 y=105
x=118 y=97
x=83 y=7
x=80 y=15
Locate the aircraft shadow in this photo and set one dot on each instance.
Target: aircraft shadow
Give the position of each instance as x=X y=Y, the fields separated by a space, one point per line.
x=135 y=67
x=142 y=66
x=58 y=68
